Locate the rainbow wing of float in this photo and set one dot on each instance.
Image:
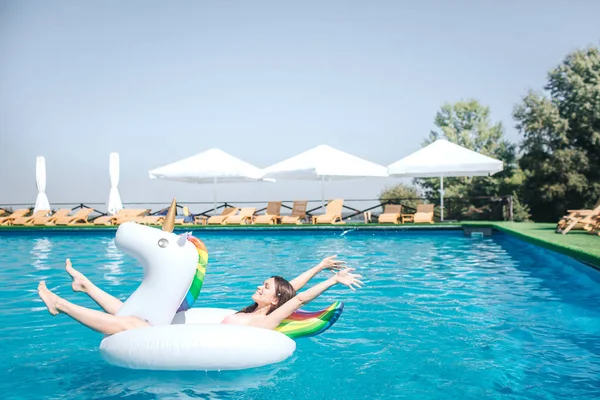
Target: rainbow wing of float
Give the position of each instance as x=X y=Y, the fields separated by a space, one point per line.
x=198 y=280
x=306 y=323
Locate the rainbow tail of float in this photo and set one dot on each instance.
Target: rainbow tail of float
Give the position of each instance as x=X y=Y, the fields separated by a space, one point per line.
x=306 y=323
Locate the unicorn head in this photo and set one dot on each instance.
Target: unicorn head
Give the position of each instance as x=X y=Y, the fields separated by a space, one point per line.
x=169 y=262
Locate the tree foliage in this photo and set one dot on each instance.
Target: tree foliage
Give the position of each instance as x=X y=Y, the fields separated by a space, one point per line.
x=406 y=195
x=561 y=138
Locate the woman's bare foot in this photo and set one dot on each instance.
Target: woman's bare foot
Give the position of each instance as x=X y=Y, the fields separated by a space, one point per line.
x=49 y=298
x=79 y=280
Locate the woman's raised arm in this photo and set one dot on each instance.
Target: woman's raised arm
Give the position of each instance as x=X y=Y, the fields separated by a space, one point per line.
x=327 y=263
x=345 y=277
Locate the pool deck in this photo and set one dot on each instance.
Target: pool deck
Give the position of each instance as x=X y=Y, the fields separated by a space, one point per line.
x=577 y=244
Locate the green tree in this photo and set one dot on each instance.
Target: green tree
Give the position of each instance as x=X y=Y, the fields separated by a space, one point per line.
x=561 y=138
x=468 y=124
x=406 y=195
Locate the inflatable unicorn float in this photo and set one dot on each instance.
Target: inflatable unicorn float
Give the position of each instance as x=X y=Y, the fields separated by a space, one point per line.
x=184 y=338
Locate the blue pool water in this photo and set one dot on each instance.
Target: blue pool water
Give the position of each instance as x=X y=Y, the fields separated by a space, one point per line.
x=441 y=316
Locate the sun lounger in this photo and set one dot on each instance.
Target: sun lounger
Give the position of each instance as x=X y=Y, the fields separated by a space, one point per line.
x=17 y=214
x=271 y=215
x=121 y=216
x=63 y=212
x=424 y=214
x=333 y=213
x=200 y=219
x=595 y=226
x=298 y=213
x=80 y=217
x=109 y=219
x=392 y=213
x=148 y=219
x=130 y=215
x=156 y=219
x=29 y=220
x=245 y=216
x=222 y=219
x=578 y=219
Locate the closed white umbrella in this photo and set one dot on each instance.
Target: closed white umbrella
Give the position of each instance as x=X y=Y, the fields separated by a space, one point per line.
x=444 y=159
x=211 y=166
x=41 y=202
x=324 y=163
x=114 y=198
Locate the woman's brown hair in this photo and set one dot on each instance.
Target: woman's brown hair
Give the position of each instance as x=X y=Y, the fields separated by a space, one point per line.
x=284 y=292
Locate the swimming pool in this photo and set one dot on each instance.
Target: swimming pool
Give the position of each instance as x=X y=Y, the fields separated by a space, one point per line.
x=441 y=316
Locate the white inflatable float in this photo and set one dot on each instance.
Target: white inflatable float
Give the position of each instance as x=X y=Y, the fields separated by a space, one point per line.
x=185 y=338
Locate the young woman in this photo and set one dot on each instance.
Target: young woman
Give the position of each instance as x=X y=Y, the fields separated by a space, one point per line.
x=275 y=300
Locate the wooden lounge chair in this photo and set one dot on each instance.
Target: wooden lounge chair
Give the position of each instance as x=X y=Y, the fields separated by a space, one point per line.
x=298 y=213
x=424 y=214
x=151 y=220
x=29 y=220
x=333 y=213
x=123 y=215
x=222 y=219
x=63 y=212
x=17 y=214
x=595 y=230
x=578 y=219
x=108 y=219
x=245 y=216
x=392 y=213
x=271 y=215
x=130 y=215
x=80 y=217
x=148 y=219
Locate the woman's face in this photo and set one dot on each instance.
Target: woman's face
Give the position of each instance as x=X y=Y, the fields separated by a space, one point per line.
x=266 y=294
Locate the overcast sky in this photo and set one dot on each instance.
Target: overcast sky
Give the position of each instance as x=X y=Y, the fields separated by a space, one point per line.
x=261 y=80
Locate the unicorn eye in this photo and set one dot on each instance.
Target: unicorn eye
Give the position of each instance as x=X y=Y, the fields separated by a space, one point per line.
x=163 y=243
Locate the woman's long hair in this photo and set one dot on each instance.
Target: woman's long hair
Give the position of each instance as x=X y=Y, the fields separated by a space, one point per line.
x=284 y=292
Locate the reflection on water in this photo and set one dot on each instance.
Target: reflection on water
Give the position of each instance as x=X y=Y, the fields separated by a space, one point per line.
x=174 y=384
x=40 y=253
x=113 y=271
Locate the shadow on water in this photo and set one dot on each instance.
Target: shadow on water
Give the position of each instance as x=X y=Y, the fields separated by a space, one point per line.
x=96 y=379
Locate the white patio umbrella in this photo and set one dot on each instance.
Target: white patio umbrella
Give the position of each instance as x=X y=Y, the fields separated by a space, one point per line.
x=444 y=159
x=324 y=163
x=211 y=166
x=114 y=198
x=41 y=202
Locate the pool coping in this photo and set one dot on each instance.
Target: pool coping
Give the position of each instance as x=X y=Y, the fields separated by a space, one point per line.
x=566 y=249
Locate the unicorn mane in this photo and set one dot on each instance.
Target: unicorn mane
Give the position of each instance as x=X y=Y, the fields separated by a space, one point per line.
x=198 y=279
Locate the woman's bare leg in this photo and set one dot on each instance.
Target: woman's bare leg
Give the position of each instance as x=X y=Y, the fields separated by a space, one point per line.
x=93 y=319
x=81 y=283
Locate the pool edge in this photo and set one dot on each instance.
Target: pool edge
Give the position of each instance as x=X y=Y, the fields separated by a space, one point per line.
x=578 y=254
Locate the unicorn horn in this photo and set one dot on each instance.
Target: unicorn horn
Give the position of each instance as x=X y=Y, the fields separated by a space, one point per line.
x=169 y=222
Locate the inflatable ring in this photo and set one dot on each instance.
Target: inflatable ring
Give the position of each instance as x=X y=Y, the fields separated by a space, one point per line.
x=184 y=338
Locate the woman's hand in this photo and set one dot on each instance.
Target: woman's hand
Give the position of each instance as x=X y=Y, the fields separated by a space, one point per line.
x=332 y=264
x=347 y=278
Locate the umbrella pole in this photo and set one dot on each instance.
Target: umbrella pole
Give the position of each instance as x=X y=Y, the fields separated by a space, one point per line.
x=323 y=194
x=214 y=196
x=442 y=197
